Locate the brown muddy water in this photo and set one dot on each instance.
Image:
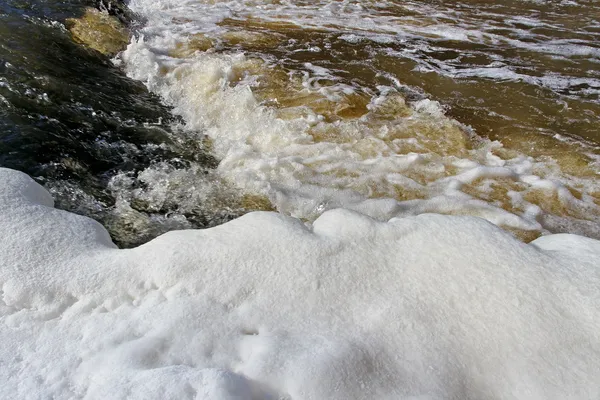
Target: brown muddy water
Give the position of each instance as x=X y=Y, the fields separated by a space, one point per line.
x=389 y=108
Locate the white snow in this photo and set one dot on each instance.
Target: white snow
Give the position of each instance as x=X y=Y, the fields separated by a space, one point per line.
x=266 y=307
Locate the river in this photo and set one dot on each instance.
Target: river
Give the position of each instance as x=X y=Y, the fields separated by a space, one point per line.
x=389 y=108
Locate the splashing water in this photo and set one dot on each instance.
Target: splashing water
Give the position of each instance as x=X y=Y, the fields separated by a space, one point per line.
x=317 y=106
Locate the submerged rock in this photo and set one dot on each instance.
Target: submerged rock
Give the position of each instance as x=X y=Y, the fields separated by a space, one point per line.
x=116 y=8
x=100 y=31
x=197 y=42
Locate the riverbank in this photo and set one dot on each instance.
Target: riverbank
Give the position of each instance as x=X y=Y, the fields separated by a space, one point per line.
x=433 y=306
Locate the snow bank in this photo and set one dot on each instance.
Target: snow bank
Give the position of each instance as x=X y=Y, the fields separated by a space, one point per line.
x=264 y=307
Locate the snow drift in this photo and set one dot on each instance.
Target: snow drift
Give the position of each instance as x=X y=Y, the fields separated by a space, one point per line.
x=266 y=307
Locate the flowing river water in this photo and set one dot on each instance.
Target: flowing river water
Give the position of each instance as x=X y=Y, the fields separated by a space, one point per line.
x=390 y=108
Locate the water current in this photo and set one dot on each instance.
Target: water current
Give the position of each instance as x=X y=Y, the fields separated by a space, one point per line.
x=391 y=108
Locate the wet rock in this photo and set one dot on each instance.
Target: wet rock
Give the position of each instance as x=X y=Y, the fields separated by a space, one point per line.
x=100 y=31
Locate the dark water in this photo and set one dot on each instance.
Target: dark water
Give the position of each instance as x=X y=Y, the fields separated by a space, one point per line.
x=72 y=120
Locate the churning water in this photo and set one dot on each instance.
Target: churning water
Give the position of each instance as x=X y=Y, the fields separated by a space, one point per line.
x=391 y=108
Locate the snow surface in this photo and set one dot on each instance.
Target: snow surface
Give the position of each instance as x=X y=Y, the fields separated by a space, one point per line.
x=266 y=307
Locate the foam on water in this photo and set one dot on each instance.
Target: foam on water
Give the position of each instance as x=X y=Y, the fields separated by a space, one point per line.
x=311 y=141
x=388 y=22
x=428 y=307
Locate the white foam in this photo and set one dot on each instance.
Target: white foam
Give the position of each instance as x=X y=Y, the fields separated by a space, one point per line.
x=265 y=307
x=261 y=153
x=279 y=158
